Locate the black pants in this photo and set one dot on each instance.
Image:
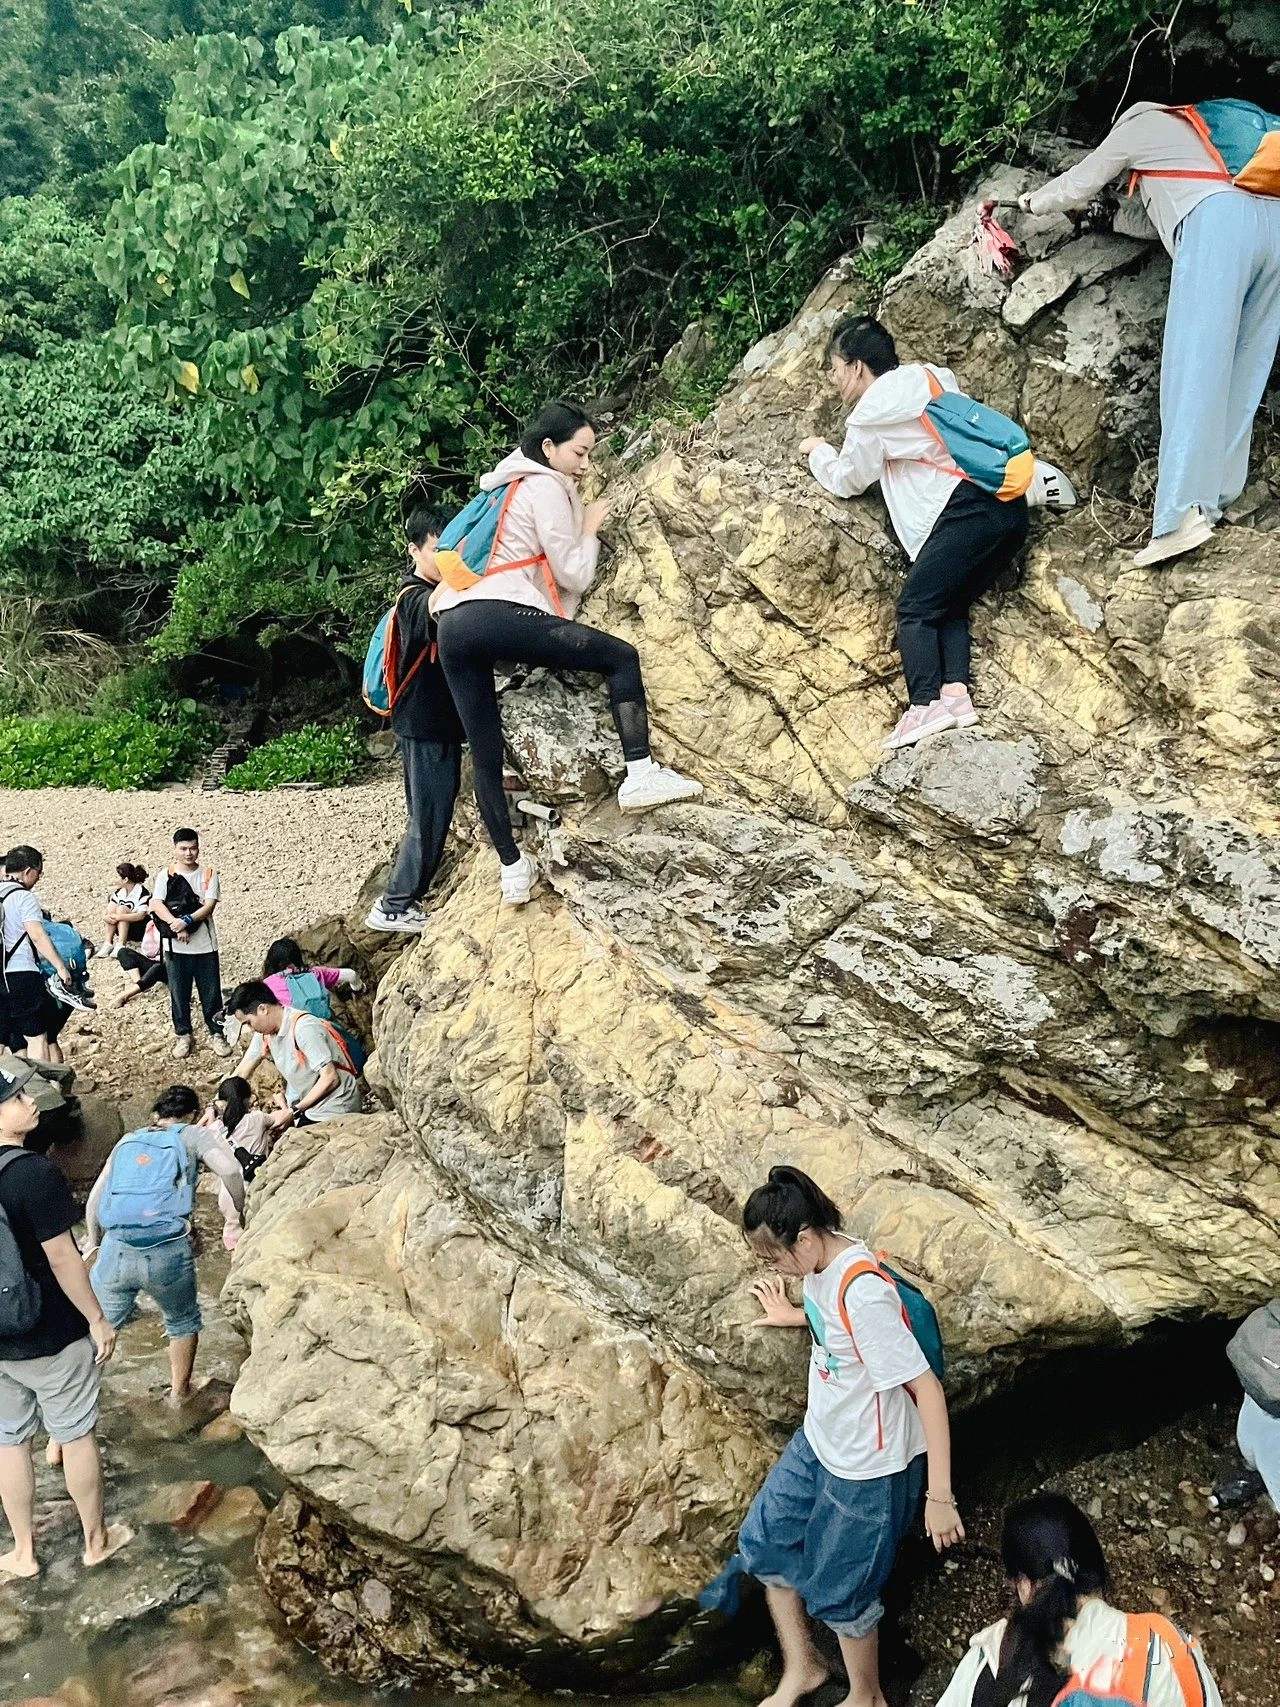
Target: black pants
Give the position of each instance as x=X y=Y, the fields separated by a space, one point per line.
x=183 y=971
x=432 y=771
x=150 y=972
x=483 y=632
x=28 y=1010
x=974 y=539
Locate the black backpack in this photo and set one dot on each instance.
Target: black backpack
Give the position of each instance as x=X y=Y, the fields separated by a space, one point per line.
x=180 y=898
x=19 y=1294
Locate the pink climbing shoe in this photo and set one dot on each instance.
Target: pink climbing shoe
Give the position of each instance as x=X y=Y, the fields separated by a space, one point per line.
x=917 y=723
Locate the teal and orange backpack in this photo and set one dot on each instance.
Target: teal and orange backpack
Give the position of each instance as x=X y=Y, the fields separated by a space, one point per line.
x=382 y=682
x=1127 y=1684
x=980 y=444
x=1242 y=138
x=918 y=1313
x=465 y=553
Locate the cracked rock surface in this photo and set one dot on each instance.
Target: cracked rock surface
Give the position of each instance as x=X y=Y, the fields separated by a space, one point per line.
x=1013 y=996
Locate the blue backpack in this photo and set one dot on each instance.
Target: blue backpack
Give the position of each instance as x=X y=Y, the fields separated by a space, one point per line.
x=150 y=1185
x=1243 y=138
x=308 y=994
x=465 y=553
x=381 y=682
x=917 y=1312
x=981 y=444
x=70 y=945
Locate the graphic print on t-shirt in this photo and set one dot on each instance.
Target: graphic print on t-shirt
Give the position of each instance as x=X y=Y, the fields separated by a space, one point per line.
x=825 y=1362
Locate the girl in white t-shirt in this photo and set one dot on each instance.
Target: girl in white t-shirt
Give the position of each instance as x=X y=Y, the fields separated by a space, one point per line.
x=1062 y=1632
x=823 y=1531
x=126 y=909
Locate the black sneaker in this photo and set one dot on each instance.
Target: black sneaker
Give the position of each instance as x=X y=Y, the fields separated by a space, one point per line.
x=81 y=1000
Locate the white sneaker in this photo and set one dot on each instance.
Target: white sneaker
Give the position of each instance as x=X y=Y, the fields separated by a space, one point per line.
x=182 y=1048
x=917 y=723
x=219 y=1044
x=962 y=709
x=106 y=951
x=1193 y=530
x=1050 y=488
x=81 y=1001
x=658 y=786
x=517 y=881
x=410 y=919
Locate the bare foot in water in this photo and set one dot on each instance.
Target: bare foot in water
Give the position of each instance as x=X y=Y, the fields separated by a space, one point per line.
x=53 y=1455
x=108 y=1544
x=794 y=1686
x=19 y=1565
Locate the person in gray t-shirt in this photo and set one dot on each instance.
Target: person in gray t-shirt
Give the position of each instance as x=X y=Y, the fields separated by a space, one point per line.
x=320 y=1078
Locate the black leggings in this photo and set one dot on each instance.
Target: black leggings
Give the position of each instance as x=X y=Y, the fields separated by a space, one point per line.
x=483 y=632
x=973 y=541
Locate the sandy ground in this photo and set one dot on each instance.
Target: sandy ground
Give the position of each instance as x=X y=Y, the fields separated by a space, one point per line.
x=285 y=859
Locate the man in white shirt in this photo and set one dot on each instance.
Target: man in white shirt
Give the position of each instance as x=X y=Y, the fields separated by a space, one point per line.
x=191 y=949
x=30 y=1020
x=959 y=538
x=1223 y=321
x=320 y=1080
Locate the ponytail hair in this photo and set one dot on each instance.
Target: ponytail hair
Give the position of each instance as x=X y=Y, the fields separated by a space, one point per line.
x=1050 y=1541
x=786 y=1204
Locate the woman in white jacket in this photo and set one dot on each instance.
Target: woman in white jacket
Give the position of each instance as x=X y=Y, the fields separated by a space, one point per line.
x=1063 y=1632
x=522 y=614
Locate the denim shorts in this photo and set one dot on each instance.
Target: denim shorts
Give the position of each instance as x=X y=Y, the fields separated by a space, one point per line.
x=834 y=1541
x=166 y=1272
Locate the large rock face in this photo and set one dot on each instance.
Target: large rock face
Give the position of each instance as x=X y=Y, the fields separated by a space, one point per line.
x=1012 y=996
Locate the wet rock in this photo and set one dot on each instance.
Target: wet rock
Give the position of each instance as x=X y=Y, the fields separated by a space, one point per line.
x=17 y=1620
x=238 y=1515
x=222 y=1430
x=183 y=1505
x=133 y=1585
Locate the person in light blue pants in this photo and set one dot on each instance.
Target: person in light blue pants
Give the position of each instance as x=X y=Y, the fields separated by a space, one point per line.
x=1220 y=340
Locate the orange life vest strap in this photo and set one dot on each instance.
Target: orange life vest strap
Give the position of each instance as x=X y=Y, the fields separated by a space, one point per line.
x=346 y=1065
x=1219 y=175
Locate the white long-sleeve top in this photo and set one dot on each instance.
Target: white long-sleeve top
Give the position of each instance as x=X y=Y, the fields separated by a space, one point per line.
x=1097 y=1638
x=1145 y=137
x=545 y=518
x=886 y=440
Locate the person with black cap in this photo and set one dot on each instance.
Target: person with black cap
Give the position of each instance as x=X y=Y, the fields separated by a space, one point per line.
x=54 y=1340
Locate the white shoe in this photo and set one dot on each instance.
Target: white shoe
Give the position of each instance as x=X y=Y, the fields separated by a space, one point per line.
x=106 y=951
x=80 y=1001
x=182 y=1048
x=219 y=1044
x=917 y=723
x=962 y=709
x=517 y=881
x=1050 y=488
x=1192 y=531
x=658 y=786
x=410 y=919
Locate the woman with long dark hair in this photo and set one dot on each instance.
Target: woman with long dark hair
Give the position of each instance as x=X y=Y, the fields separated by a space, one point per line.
x=1062 y=1632
x=520 y=611
x=243 y=1129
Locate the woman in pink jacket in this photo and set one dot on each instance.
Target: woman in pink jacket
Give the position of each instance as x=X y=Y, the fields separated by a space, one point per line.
x=523 y=615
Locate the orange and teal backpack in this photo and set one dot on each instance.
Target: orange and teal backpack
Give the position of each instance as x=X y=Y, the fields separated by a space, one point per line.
x=1243 y=140
x=980 y=444
x=1128 y=1684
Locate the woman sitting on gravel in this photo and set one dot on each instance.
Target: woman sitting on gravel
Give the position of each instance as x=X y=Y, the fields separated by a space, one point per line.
x=126 y=914
x=519 y=611
x=1062 y=1633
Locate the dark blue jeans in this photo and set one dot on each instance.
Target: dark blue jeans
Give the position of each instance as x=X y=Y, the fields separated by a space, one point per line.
x=432 y=772
x=184 y=971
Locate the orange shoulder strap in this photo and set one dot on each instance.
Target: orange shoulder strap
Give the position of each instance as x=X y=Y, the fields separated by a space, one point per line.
x=867 y=1266
x=1147 y=1632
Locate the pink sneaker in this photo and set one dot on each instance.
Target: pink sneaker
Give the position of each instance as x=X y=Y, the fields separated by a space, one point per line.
x=961 y=708
x=918 y=723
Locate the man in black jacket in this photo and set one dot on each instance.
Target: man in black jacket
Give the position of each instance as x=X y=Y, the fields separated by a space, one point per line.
x=430 y=735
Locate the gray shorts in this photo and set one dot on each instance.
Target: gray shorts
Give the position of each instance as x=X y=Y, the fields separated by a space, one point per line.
x=61 y=1391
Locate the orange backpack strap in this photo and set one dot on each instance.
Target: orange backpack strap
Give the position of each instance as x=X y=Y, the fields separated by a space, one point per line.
x=1148 y=1632
x=868 y=1265
x=346 y=1065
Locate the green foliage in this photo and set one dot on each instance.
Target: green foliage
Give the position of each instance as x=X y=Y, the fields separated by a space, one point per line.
x=310 y=754
x=124 y=750
x=143 y=688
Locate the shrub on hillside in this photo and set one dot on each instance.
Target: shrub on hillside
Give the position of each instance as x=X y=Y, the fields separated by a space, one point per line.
x=309 y=754
x=123 y=750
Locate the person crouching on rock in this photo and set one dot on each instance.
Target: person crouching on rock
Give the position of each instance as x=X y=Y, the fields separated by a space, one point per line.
x=520 y=610
x=958 y=536
x=1222 y=324
x=1062 y=1635
x=823 y=1532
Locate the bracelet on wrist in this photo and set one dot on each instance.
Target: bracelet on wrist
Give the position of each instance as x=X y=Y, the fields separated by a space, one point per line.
x=943 y=1499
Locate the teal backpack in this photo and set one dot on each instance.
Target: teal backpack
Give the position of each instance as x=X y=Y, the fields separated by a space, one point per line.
x=381 y=682
x=917 y=1312
x=150 y=1186
x=308 y=994
x=981 y=444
